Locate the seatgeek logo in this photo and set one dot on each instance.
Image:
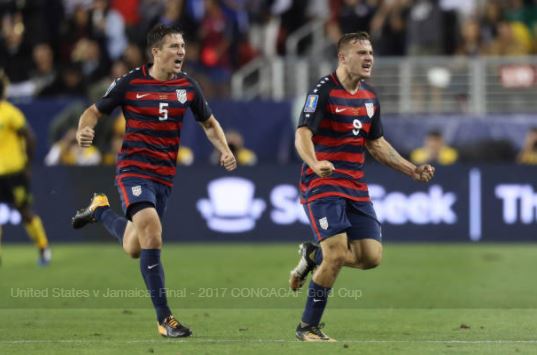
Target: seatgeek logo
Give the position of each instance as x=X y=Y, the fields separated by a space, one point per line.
x=233 y=207
x=225 y=216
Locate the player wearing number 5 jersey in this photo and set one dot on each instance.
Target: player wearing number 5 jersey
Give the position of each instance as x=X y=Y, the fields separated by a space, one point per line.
x=154 y=99
x=340 y=120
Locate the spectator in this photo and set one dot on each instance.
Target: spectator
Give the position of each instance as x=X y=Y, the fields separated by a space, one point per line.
x=244 y=156
x=215 y=41
x=78 y=26
x=15 y=52
x=434 y=151
x=388 y=27
x=92 y=60
x=425 y=28
x=528 y=154
x=109 y=27
x=175 y=13
x=350 y=16
x=264 y=27
x=70 y=82
x=470 y=38
x=43 y=73
x=512 y=40
x=133 y=56
x=67 y=152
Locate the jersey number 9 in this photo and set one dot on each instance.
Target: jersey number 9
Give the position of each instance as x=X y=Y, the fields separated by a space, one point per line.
x=357 y=126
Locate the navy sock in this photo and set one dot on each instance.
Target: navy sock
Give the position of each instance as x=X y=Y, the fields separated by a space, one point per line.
x=315 y=304
x=114 y=223
x=318 y=257
x=153 y=274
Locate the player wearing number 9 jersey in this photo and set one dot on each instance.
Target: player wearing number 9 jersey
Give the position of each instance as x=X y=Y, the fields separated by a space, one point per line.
x=341 y=117
x=154 y=99
x=341 y=122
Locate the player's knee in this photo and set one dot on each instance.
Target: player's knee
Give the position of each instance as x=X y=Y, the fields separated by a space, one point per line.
x=335 y=259
x=152 y=241
x=150 y=238
x=371 y=261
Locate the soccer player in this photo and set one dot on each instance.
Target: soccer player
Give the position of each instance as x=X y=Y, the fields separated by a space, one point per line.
x=17 y=144
x=341 y=117
x=153 y=98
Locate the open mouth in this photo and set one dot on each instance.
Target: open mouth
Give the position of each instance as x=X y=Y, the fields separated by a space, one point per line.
x=366 y=66
x=178 y=61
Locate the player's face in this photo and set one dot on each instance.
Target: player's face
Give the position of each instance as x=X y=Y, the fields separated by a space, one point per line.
x=172 y=54
x=358 y=58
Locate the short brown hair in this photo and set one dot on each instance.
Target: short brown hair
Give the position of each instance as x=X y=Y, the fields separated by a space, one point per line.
x=157 y=34
x=352 y=37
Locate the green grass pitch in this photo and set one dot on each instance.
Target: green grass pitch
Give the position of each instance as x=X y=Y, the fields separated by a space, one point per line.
x=423 y=299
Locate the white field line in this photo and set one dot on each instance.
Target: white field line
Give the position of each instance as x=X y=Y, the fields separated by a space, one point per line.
x=263 y=341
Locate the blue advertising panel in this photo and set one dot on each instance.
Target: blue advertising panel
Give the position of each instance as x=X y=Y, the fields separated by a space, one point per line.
x=462 y=203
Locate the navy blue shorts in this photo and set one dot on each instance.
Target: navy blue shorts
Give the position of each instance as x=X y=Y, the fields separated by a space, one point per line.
x=334 y=215
x=133 y=190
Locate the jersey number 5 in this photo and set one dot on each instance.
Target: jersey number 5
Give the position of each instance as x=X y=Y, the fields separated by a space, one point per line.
x=357 y=126
x=163 y=111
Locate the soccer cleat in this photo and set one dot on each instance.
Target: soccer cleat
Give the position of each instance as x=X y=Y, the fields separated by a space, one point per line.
x=45 y=256
x=171 y=328
x=87 y=215
x=312 y=333
x=306 y=264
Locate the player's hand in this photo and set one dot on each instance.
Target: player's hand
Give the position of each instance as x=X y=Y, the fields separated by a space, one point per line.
x=323 y=168
x=423 y=173
x=227 y=160
x=84 y=136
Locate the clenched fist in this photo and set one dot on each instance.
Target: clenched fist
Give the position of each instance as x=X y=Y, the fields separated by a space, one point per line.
x=228 y=161
x=323 y=168
x=84 y=136
x=423 y=173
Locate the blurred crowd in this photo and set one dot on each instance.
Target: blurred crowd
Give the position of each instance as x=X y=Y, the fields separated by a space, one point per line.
x=51 y=48
x=76 y=47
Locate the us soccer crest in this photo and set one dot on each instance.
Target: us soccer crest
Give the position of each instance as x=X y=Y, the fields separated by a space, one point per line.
x=323 y=222
x=370 y=109
x=181 y=95
x=136 y=190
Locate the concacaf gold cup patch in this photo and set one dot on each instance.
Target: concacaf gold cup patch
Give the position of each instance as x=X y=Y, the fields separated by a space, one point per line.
x=311 y=103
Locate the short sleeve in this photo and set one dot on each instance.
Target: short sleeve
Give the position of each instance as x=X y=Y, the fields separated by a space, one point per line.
x=313 y=110
x=376 y=130
x=113 y=96
x=199 y=105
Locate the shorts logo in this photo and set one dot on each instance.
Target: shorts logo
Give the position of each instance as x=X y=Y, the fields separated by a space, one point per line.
x=136 y=190
x=181 y=95
x=370 y=109
x=323 y=222
x=311 y=103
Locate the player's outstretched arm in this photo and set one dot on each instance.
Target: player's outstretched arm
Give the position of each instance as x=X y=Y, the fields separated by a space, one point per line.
x=216 y=136
x=383 y=151
x=306 y=151
x=88 y=120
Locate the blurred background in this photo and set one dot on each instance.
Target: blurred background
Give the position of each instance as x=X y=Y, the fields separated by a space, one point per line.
x=457 y=81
